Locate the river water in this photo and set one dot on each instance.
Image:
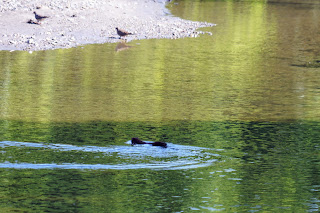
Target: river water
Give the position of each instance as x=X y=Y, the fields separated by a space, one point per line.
x=239 y=110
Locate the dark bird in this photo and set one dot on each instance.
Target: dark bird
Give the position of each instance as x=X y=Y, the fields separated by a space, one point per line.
x=38 y=17
x=122 y=33
x=135 y=141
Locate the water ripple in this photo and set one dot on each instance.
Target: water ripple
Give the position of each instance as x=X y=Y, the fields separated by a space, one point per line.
x=118 y=157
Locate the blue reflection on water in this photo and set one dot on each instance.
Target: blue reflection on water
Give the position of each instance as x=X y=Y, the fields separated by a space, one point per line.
x=172 y=158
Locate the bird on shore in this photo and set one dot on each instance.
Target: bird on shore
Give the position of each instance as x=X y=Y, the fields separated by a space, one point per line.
x=38 y=17
x=122 y=33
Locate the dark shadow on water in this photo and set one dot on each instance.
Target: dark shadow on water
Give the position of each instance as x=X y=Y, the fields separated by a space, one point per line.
x=310 y=64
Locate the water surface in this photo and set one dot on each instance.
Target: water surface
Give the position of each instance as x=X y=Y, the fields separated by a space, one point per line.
x=239 y=110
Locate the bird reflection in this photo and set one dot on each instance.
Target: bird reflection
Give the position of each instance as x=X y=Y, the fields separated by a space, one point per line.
x=122 y=46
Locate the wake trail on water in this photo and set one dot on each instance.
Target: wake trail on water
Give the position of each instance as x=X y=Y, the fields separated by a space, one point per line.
x=115 y=157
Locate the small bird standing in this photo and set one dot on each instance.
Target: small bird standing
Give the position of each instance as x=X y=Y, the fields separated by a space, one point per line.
x=122 y=33
x=38 y=17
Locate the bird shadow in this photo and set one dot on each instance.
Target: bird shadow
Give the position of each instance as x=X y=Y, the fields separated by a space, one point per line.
x=30 y=21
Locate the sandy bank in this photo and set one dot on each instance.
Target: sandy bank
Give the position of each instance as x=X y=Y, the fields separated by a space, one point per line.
x=78 y=22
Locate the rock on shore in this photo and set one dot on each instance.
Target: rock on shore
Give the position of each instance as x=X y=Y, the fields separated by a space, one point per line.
x=79 y=22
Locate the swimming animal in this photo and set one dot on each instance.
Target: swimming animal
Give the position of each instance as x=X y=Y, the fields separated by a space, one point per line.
x=135 y=141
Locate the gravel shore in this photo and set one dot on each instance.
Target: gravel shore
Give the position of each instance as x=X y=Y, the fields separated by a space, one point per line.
x=78 y=22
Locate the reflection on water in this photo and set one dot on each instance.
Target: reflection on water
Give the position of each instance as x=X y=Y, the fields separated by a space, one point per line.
x=239 y=166
x=247 y=70
x=122 y=46
x=120 y=157
x=240 y=109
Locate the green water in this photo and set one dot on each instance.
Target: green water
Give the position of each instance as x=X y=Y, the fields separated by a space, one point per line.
x=239 y=110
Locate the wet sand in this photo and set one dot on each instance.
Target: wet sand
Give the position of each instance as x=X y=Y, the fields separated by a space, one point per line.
x=78 y=22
